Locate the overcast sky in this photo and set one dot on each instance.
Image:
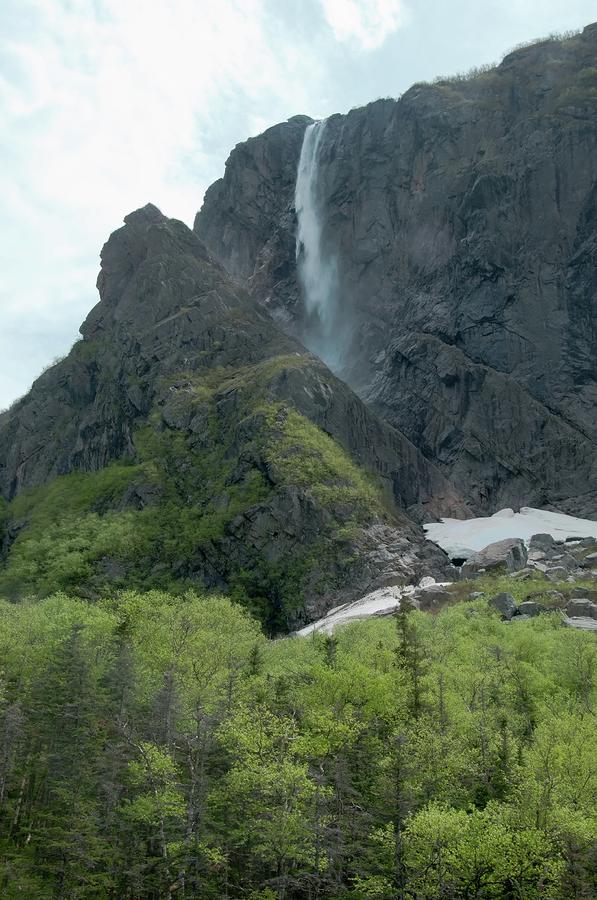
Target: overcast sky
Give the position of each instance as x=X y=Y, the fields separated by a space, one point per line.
x=108 y=104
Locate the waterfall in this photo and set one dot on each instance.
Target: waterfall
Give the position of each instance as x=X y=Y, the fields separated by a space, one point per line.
x=317 y=269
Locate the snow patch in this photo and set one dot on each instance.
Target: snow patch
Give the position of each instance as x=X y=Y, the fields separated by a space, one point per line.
x=462 y=537
x=382 y=602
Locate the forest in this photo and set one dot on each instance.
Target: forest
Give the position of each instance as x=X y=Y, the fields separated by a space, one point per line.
x=159 y=747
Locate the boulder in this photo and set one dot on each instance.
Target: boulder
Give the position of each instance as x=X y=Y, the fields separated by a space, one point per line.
x=582 y=607
x=426 y=581
x=583 y=623
x=505 y=604
x=584 y=593
x=590 y=561
x=452 y=572
x=588 y=542
x=565 y=560
x=431 y=597
x=556 y=598
x=509 y=555
x=542 y=542
x=531 y=608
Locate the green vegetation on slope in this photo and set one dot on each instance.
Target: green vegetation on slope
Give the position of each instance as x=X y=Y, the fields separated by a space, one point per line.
x=157 y=746
x=302 y=454
x=546 y=591
x=215 y=451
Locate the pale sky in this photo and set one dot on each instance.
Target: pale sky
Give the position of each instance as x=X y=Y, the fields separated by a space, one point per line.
x=106 y=105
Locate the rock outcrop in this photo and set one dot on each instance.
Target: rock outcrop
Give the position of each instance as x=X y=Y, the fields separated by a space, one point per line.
x=186 y=440
x=507 y=556
x=505 y=604
x=463 y=221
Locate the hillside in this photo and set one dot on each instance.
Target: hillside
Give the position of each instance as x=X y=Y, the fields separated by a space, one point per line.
x=186 y=441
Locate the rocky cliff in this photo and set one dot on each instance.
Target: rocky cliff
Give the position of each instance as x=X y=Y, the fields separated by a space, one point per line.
x=462 y=222
x=187 y=440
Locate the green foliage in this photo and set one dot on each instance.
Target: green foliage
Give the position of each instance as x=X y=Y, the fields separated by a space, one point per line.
x=165 y=519
x=302 y=454
x=454 y=853
x=537 y=587
x=73 y=494
x=476 y=72
x=151 y=741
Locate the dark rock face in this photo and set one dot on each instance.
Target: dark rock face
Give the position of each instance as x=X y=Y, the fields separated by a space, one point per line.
x=177 y=358
x=464 y=221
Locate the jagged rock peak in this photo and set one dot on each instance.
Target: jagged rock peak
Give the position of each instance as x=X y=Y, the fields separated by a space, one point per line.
x=145 y=215
x=146 y=247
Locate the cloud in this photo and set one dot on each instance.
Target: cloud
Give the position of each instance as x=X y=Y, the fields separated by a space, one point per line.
x=365 y=22
x=113 y=91
x=109 y=104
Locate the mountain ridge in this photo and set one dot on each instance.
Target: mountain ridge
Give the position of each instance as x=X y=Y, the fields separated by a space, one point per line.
x=187 y=440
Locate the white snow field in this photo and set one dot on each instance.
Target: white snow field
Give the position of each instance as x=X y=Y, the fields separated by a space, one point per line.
x=461 y=537
x=382 y=602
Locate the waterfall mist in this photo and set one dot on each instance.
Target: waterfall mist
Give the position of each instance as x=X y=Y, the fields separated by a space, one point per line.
x=317 y=267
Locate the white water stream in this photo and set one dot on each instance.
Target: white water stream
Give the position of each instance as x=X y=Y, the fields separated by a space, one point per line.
x=316 y=266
